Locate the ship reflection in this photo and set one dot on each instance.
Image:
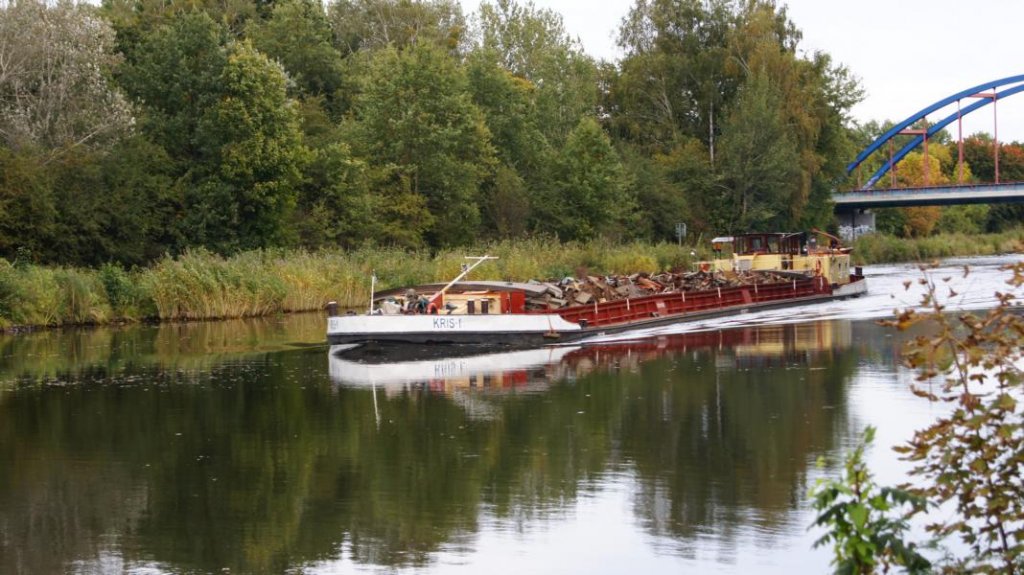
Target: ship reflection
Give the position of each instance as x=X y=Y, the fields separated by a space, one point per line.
x=450 y=369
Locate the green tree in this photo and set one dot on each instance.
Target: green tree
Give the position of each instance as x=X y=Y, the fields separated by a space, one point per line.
x=686 y=72
x=506 y=205
x=175 y=77
x=369 y=25
x=136 y=20
x=533 y=45
x=426 y=140
x=673 y=82
x=508 y=103
x=527 y=159
x=814 y=99
x=27 y=207
x=980 y=156
x=671 y=188
x=865 y=532
x=590 y=190
x=968 y=220
x=299 y=36
x=220 y=111
x=140 y=194
x=252 y=139
x=114 y=205
x=760 y=161
x=335 y=206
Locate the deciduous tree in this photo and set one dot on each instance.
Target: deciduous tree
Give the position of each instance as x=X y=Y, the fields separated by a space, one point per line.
x=532 y=44
x=219 y=109
x=298 y=35
x=55 y=87
x=419 y=129
x=591 y=199
x=760 y=161
x=368 y=25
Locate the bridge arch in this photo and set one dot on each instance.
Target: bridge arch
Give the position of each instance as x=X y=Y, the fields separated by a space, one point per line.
x=916 y=140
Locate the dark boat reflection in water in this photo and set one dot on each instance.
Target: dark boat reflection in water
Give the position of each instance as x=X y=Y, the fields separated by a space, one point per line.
x=712 y=434
x=398 y=367
x=275 y=462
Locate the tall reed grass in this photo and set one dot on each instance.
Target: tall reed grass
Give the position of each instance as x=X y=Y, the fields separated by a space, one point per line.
x=200 y=285
x=880 y=248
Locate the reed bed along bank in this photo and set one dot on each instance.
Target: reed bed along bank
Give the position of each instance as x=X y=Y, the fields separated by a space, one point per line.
x=199 y=285
x=881 y=248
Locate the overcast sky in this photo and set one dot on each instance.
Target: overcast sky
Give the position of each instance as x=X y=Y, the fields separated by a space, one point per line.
x=907 y=53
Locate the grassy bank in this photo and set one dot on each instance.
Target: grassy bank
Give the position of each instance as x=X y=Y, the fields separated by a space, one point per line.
x=879 y=248
x=200 y=285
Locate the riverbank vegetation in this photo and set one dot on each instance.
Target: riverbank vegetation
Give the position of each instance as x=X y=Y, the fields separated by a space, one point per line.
x=880 y=248
x=200 y=285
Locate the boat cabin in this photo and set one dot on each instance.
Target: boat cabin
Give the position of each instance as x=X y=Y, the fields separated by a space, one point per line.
x=748 y=244
x=461 y=298
x=801 y=252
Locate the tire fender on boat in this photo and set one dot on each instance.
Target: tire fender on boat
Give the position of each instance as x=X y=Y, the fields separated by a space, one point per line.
x=817 y=266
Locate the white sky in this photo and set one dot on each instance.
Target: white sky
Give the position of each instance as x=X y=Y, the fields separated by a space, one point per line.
x=907 y=53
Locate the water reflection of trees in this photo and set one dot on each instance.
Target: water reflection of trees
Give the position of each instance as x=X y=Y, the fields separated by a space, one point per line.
x=63 y=353
x=715 y=443
x=263 y=465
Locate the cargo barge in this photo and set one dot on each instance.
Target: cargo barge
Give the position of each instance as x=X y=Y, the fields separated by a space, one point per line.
x=492 y=312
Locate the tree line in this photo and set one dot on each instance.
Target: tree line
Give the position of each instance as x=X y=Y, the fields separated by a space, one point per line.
x=139 y=128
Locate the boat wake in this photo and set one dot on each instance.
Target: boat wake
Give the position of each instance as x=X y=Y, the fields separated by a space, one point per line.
x=888 y=291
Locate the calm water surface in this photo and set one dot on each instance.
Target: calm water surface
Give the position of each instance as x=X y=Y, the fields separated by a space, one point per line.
x=247 y=447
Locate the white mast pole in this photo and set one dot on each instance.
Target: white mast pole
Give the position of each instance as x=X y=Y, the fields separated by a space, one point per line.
x=373 y=287
x=479 y=260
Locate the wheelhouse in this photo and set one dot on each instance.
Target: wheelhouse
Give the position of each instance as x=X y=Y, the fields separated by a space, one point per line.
x=774 y=243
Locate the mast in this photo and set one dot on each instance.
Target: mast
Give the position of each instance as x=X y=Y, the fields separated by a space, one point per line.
x=465 y=272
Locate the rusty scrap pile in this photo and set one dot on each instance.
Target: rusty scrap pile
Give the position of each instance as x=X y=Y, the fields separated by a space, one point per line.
x=569 y=292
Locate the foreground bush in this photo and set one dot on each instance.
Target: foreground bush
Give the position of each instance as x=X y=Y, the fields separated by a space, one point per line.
x=967 y=464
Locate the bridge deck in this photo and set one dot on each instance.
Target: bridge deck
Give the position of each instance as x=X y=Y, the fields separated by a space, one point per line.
x=930 y=196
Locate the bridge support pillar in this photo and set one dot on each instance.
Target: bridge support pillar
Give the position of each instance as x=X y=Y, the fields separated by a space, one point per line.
x=854 y=223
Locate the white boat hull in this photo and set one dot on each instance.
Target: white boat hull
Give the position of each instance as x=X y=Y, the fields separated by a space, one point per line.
x=405 y=373
x=852 y=289
x=517 y=328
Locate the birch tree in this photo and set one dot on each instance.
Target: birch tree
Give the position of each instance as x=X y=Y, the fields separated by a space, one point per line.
x=55 y=67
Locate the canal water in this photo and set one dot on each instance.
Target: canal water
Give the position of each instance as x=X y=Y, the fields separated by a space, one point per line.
x=247 y=447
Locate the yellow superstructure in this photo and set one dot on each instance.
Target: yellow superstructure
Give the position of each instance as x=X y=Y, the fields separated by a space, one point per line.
x=798 y=252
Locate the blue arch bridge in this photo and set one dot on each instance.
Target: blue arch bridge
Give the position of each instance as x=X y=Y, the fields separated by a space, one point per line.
x=853 y=207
